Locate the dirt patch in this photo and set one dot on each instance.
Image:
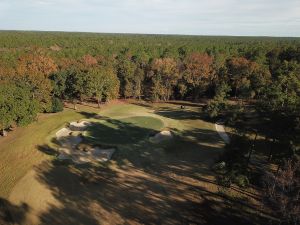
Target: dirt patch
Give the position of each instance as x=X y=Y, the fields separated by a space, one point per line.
x=221 y=131
x=55 y=48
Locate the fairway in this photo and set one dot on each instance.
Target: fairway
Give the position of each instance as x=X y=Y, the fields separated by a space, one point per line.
x=170 y=180
x=137 y=163
x=19 y=152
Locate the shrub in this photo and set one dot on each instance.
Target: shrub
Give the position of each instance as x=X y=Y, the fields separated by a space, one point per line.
x=233 y=164
x=224 y=180
x=219 y=103
x=214 y=108
x=57 y=105
x=220 y=167
x=235 y=151
x=235 y=115
x=242 y=181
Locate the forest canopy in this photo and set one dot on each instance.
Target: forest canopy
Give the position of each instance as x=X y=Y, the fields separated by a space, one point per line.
x=51 y=67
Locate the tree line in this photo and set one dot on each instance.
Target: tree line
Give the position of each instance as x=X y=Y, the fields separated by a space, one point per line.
x=43 y=68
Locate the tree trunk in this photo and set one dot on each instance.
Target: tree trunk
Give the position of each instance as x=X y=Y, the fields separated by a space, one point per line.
x=236 y=92
x=98 y=101
x=74 y=102
x=251 y=149
x=278 y=168
x=271 y=150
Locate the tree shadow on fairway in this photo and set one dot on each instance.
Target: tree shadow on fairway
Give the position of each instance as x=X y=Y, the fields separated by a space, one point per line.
x=169 y=183
x=179 y=114
x=142 y=104
x=47 y=150
x=89 y=115
x=172 y=191
x=185 y=103
x=12 y=214
x=117 y=132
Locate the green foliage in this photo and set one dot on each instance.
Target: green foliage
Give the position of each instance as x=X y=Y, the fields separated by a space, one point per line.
x=163 y=76
x=236 y=115
x=17 y=105
x=214 y=108
x=234 y=163
x=279 y=106
x=57 y=105
x=59 y=83
x=78 y=84
x=218 y=104
x=224 y=180
x=242 y=181
x=104 y=83
x=7 y=105
x=233 y=177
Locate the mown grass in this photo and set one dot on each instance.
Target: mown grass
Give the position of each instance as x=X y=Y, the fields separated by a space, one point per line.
x=19 y=151
x=176 y=175
x=122 y=131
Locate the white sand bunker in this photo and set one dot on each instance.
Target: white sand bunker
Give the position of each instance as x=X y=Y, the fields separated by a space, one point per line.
x=161 y=136
x=79 y=126
x=70 y=138
x=64 y=132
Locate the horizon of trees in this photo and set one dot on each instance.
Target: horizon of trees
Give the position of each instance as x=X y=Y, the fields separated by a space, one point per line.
x=150 y=67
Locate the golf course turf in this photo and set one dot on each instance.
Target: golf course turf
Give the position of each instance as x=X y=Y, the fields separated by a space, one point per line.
x=122 y=131
x=144 y=182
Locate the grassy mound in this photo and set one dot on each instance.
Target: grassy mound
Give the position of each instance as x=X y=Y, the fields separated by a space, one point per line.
x=122 y=131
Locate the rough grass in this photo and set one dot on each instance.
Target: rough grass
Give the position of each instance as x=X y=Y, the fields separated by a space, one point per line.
x=19 y=152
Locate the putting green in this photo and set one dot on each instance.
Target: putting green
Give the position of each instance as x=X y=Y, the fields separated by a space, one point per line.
x=122 y=131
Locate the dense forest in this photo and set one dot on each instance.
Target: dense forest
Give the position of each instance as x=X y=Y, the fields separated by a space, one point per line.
x=45 y=68
x=261 y=75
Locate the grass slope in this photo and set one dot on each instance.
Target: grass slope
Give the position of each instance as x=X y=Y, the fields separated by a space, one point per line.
x=19 y=151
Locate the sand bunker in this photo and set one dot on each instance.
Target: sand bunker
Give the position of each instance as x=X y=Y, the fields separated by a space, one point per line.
x=79 y=126
x=64 y=132
x=69 y=139
x=162 y=136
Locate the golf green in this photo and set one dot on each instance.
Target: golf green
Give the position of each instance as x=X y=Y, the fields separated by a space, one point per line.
x=122 y=131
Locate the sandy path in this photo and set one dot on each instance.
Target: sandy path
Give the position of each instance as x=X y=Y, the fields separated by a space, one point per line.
x=221 y=131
